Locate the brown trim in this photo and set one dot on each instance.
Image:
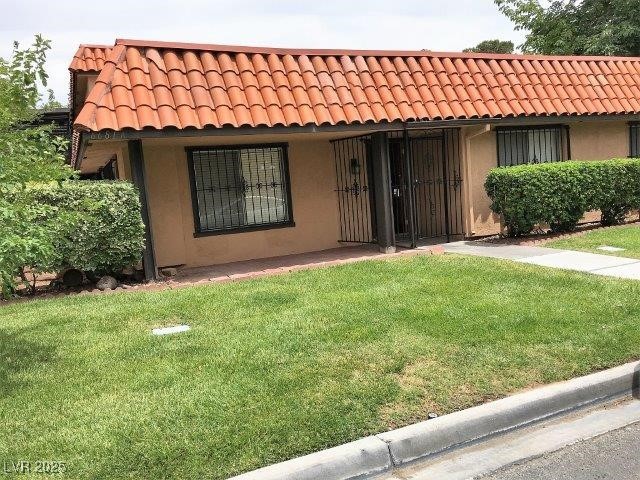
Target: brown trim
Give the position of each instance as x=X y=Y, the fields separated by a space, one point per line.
x=354 y=127
x=632 y=147
x=138 y=177
x=253 y=228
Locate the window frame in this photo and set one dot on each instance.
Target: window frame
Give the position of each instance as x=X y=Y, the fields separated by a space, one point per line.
x=634 y=129
x=565 y=140
x=199 y=231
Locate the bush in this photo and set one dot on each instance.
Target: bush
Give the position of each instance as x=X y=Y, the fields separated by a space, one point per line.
x=559 y=194
x=95 y=225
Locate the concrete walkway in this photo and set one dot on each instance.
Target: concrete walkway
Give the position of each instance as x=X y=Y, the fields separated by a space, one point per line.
x=605 y=265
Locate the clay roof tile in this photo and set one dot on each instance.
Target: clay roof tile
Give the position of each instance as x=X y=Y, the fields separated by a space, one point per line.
x=159 y=84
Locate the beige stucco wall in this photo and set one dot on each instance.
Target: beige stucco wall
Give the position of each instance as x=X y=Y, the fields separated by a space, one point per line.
x=479 y=157
x=599 y=140
x=593 y=140
x=314 y=204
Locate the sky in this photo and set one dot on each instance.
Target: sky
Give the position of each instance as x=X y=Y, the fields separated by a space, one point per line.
x=438 y=25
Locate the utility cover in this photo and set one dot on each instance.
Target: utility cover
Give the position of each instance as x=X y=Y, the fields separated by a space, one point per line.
x=170 y=330
x=607 y=248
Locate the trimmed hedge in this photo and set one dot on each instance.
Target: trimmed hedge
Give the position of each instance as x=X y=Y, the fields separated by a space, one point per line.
x=95 y=226
x=559 y=194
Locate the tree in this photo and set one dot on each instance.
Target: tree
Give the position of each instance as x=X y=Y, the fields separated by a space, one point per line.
x=577 y=27
x=492 y=46
x=28 y=155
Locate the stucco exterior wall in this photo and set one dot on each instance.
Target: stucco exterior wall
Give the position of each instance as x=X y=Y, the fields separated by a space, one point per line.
x=314 y=204
x=480 y=157
x=589 y=141
x=599 y=140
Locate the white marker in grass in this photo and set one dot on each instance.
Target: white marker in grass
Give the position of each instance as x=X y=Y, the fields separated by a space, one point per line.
x=170 y=330
x=607 y=248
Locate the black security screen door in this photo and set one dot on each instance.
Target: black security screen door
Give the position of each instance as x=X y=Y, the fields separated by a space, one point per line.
x=354 y=187
x=426 y=185
x=425 y=182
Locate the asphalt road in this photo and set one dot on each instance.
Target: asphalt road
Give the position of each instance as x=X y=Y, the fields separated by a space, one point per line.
x=614 y=455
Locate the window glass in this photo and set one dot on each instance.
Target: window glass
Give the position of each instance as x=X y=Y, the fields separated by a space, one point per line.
x=240 y=187
x=530 y=145
x=634 y=150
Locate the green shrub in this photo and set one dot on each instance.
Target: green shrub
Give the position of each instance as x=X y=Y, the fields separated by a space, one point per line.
x=95 y=225
x=559 y=194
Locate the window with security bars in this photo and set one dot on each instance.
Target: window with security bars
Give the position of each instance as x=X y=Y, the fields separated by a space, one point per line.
x=634 y=145
x=519 y=146
x=235 y=188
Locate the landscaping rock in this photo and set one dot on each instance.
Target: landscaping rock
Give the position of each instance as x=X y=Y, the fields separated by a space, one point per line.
x=168 y=272
x=107 y=283
x=128 y=271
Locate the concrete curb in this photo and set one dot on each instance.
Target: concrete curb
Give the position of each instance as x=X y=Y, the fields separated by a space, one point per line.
x=379 y=453
x=360 y=459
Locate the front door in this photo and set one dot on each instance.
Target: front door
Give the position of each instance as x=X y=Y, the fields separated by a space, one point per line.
x=426 y=187
x=400 y=192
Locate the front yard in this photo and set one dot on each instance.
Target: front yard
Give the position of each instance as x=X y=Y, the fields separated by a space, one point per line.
x=278 y=367
x=626 y=237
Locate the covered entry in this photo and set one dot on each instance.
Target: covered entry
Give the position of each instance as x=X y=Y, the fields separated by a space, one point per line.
x=424 y=187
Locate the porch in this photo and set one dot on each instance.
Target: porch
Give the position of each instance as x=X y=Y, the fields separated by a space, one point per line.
x=248 y=269
x=223 y=200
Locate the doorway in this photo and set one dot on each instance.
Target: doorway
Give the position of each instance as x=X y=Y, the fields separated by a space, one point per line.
x=426 y=186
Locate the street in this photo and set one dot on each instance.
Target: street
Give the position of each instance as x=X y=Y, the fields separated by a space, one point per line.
x=600 y=442
x=614 y=455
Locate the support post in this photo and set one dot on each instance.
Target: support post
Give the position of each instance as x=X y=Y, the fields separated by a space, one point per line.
x=408 y=177
x=136 y=159
x=382 y=183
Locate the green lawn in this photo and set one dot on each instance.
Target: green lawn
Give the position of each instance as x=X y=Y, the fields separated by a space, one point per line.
x=278 y=367
x=627 y=237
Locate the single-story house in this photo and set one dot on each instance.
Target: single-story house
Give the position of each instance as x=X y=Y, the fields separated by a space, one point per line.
x=251 y=152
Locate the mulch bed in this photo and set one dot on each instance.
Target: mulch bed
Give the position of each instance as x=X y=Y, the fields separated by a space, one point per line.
x=543 y=237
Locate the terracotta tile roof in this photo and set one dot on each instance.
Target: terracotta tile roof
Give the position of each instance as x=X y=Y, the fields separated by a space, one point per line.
x=159 y=85
x=90 y=58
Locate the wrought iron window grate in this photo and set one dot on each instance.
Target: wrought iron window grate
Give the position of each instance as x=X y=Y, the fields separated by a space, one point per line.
x=235 y=188
x=527 y=145
x=634 y=147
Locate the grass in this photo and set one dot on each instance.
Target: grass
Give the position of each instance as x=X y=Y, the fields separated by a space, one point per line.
x=627 y=237
x=283 y=366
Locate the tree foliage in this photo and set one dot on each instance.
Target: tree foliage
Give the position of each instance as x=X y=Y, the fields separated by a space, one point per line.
x=28 y=154
x=492 y=46
x=577 y=27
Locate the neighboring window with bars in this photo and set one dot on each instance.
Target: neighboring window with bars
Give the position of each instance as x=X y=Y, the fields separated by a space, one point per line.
x=518 y=146
x=238 y=188
x=634 y=145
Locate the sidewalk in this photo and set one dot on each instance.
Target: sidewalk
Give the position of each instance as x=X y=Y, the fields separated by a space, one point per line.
x=605 y=265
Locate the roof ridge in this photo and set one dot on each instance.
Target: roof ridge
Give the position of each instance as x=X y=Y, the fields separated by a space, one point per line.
x=358 y=52
x=95 y=45
x=102 y=86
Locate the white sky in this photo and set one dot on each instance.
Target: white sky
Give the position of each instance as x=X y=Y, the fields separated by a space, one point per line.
x=439 y=25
